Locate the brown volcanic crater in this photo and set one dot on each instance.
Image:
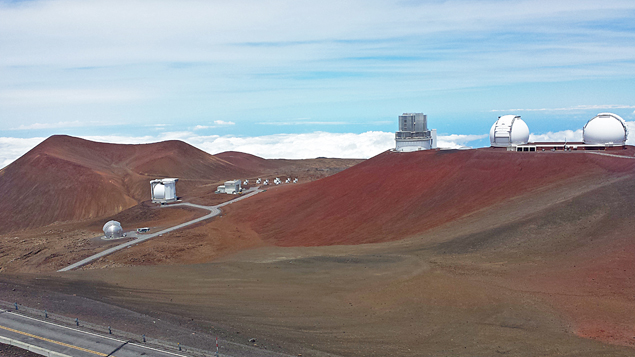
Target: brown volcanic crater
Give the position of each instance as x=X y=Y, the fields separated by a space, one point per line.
x=66 y=179
x=70 y=179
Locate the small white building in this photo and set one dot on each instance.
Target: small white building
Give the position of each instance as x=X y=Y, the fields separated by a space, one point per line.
x=163 y=190
x=232 y=187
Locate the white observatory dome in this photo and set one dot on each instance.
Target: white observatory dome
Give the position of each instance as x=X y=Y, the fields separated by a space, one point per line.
x=509 y=130
x=112 y=229
x=159 y=191
x=605 y=128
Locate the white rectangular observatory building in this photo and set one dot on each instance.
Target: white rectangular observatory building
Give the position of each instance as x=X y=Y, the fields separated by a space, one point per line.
x=163 y=190
x=413 y=133
x=232 y=187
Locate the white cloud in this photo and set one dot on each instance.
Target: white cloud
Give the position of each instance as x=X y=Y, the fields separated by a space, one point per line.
x=287 y=146
x=248 y=57
x=298 y=146
x=569 y=109
x=456 y=141
x=559 y=136
x=61 y=124
x=13 y=148
x=571 y=135
x=284 y=123
x=217 y=123
x=68 y=96
x=311 y=145
x=121 y=30
x=283 y=35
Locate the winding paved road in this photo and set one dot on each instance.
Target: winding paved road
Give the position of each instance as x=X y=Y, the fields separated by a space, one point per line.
x=213 y=212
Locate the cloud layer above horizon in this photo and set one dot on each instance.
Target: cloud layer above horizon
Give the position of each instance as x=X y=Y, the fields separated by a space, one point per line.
x=285 y=146
x=291 y=146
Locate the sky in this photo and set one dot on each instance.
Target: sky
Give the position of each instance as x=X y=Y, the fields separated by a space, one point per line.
x=302 y=79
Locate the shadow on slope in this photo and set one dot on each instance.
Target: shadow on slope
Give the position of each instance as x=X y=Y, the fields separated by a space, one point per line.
x=579 y=255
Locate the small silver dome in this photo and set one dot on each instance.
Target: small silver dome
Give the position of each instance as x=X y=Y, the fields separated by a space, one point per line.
x=112 y=229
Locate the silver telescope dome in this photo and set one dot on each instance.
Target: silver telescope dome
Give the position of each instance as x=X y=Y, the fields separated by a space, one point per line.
x=112 y=229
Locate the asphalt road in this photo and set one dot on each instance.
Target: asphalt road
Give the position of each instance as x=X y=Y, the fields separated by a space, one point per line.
x=43 y=337
x=214 y=211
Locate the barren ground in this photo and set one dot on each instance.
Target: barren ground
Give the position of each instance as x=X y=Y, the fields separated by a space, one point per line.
x=489 y=283
x=548 y=271
x=11 y=351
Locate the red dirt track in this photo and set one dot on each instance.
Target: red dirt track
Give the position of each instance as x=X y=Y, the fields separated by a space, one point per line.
x=394 y=195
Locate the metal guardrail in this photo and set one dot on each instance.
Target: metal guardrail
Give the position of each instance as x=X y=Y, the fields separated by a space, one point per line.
x=72 y=322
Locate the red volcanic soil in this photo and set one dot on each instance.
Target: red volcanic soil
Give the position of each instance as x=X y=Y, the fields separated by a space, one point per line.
x=71 y=179
x=395 y=195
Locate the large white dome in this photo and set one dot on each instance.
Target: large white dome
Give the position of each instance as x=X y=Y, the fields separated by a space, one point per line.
x=605 y=128
x=509 y=130
x=113 y=229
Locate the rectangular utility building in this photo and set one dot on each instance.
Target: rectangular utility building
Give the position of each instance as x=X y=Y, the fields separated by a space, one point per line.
x=230 y=187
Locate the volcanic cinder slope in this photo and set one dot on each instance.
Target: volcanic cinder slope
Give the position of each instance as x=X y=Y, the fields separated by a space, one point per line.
x=395 y=195
x=70 y=179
